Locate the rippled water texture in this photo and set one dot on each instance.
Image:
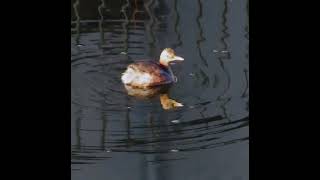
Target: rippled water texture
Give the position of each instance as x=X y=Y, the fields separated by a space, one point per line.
x=119 y=137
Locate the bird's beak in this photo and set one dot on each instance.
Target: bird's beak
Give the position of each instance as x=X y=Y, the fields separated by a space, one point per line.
x=177 y=58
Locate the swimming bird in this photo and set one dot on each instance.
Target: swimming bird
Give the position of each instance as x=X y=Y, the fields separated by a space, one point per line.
x=146 y=74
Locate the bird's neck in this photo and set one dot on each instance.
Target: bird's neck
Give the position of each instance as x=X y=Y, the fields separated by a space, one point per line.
x=171 y=73
x=165 y=65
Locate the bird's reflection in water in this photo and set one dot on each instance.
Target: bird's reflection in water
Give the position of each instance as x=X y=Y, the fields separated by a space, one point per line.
x=151 y=92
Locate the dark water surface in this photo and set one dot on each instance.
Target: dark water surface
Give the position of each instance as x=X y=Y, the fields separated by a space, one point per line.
x=118 y=137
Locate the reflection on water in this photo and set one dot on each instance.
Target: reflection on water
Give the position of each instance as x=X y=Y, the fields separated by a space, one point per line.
x=76 y=21
x=111 y=129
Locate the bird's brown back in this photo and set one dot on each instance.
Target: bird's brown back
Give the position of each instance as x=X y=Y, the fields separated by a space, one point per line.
x=160 y=74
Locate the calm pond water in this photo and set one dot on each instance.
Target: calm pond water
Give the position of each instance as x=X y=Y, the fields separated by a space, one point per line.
x=118 y=137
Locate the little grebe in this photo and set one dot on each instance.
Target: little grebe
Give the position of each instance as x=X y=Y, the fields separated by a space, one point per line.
x=146 y=74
